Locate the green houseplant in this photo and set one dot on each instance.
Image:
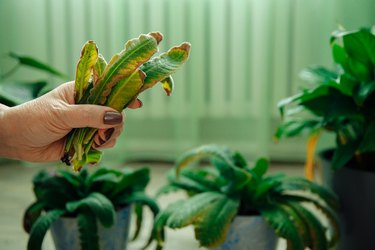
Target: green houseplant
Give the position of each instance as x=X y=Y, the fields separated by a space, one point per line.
x=92 y=199
x=230 y=187
x=13 y=93
x=342 y=102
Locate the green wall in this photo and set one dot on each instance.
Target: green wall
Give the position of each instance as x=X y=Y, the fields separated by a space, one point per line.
x=246 y=56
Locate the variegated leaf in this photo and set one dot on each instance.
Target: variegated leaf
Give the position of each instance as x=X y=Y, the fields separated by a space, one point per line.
x=125 y=91
x=137 y=51
x=89 y=55
x=161 y=67
x=99 y=67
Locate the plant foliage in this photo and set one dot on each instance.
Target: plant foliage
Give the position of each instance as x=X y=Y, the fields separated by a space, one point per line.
x=229 y=186
x=117 y=83
x=13 y=93
x=89 y=197
x=340 y=101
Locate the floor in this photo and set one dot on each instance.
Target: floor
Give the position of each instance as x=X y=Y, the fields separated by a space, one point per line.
x=16 y=194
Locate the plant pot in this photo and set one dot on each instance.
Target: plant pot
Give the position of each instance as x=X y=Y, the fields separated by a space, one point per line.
x=355 y=190
x=66 y=236
x=250 y=233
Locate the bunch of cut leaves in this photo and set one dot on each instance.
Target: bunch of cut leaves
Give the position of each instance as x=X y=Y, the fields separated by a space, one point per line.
x=117 y=83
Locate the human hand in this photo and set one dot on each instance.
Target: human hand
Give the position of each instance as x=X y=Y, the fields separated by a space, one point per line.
x=35 y=131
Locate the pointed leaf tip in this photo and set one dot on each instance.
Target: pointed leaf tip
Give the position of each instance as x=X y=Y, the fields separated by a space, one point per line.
x=157 y=35
x=185 y=46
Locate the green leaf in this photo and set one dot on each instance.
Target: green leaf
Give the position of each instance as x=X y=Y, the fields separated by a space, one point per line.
x=161 y=67
x=55 y=191
x=343 y=153
x=40 y=227
x=301 y=223
x=138 y=210
x=284 y=227
x=297 y=126
x=195 y=180
x=315 y=228
x=192 y=210
x=265 y=185
x=98 y=204
x=327 y=211
x=31 y=62
x=136 y=180
x=15 y=93
x=166 y=189
x=360 y=45
x=318 y=74
x=31 y=214
x=212 y=229
x=364 y=91
x=292 y=184
x=71 y=177
x=88 y=230
x=125 y=91
x=161 y=221
x=86 y=63
x=332 y=105
x=141 y=199
x=368 y=142
x=260 y=168
x=137 y=51
x=236 y=176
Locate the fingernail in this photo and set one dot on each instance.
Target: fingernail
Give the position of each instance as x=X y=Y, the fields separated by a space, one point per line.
x=108 y=133
x=112 y=118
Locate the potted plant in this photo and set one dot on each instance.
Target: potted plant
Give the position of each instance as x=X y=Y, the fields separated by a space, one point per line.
x=232 y=205
x=87 y=211
x=342 y=102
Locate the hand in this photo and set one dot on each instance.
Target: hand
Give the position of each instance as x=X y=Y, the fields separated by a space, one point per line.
x=35 y=131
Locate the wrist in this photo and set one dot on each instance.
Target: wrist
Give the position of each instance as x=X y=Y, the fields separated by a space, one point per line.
x=6 y=146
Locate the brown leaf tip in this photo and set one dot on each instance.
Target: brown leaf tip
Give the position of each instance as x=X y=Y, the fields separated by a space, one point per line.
x=185 y=46
x=157 y=35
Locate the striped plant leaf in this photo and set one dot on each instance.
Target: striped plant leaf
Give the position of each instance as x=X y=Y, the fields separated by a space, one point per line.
x=89 y=56
x=40 y=228
x=161 y=222
x=280 y=221
x=327 y=211
x=193 y=209
x=301 y=223
x=100 y=205
x=125 y=91
x=316 y=230
x=137 y=51
x=161 y=67
x=88 y=230
x=213 y=229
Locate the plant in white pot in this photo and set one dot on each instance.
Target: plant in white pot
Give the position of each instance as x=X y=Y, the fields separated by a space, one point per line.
x=342 y=102
x=232 y=205
x=87 y=211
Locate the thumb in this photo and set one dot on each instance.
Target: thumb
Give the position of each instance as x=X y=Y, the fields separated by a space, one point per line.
x=94 y=116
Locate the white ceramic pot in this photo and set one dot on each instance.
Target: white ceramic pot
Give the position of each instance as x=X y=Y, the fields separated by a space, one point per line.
x=66 y=236
x=249 y=233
